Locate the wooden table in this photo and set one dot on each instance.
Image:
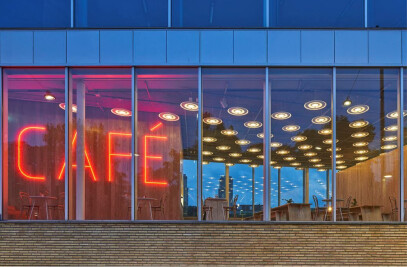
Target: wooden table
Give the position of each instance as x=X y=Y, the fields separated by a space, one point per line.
x=43 y=199
x=292 y=212
x=368 y=212
x=147 y=203
x=217 y=204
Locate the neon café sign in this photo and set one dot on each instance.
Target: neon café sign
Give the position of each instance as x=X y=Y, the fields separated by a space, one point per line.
x=147 y=158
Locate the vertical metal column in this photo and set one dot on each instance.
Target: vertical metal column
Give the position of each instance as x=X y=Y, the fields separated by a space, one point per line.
x=227 y=185
x=400 y=111
x=279 y=187
x=266 y=13
x=253 y=192
x=68 y=140
x=80 y=150
x=72 y=14
x=305 y=184
x=266 y=148
x=327 y=184
x=365 y=10
x=199 y=176
x=1 y=144
x=170 y=13
x=333 y=115
x=134 y=150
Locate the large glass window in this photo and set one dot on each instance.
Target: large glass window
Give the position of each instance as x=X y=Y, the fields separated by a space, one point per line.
x=121 y=13
x=387 y=14
x=167 y=138
x=404 y=205
x=316 y=13
x=100 y=188
x=367 y=163
x=218 y=13
x=300 y=143
x=33 y=144
x=32 y=14
x=232 y=143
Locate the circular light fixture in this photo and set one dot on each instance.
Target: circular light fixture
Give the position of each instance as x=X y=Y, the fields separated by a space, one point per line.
x=253 y=124
x=361 y=152
x=359 y=124
x=329 y=141
x=189 y=105
x=358 y=109
x=223 y=148
x=260 y=156
x=254 y=150
x=229 y=164
x=207 y=153
x=242 y=142
x=330 y=149
x=360 y=144
x=347 y=102
x=277 y=167
x=299 y=169
x=212 y=121
x=362 y=158
x=338 y=156
x=245 y=160
x=305 y=147
x=272 y=162
x=321 y=120
x=205 y=163
x=391 y=128
x=310 y=154
x=341 y=167
x=282 y=152
x=295 y=164
x=289 y=158
x=48 y=96
x=229 y=132
x=235 y=155
x=261 y=135
x=314 y=160
x=389 y=138
x=359 y=134
x=237 y=111
x=315 y=105
x=218 y=159
x=318 y=165
x=325 y=131
x=388 y=147
x=291 y=128
x=254 y=165
x=395 y=114
x=281 y=115
x=340 y=162
x=74 y=107
x=275 y=144
x=121 y=112
x=321 y=170
x=209 y=139
x=168 y=116
x=299 y=138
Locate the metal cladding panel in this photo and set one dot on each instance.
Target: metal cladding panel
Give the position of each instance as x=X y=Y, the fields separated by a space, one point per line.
x=284 y=47
x=216 y=47
x=150 y=47
x=351 y=47
x=116 y=47
x=317 y=47
x=385 y=47
x=183 y=47
x=50 y=47
x=404 y=48
x=250 y=47
x=16 y=47
x=83 y=47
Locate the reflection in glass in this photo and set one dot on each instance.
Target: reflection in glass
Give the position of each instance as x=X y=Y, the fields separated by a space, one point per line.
x=387 y=14
x=367 y=176
x=33 y=144
x=233 y=177
x=405 y=141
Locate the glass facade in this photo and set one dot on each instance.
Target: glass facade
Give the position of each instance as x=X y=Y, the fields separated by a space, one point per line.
x=387 y=14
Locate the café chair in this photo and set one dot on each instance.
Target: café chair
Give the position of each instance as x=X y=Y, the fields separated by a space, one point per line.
x=58 y=207
x=207 y=212
x=232 y=208
x=345 y=210
x=26 y=205
x=160 y=206
x=317 y=209
x=394 y=209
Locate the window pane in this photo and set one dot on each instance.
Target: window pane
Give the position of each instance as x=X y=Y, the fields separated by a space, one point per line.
x=167 y=133
x=384 y=13
x=232 y=143
x=301 y=143
x=368 y=173
x=217 y=13
x=31 y=14
x=33 y=144
x=121 y=13
x=404 y=144
x=316 y=13
x=101 y=144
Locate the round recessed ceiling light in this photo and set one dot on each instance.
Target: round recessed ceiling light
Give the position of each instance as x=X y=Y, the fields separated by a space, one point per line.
x=229 y=164
x=325 y=131
x=74 y=107
x=299 y=138
x=359 y=134
x=330 y=149
x=282 y=152
x=168 y=116
x=253 y=124
x=318 y=165
x=229 y=132
x=212 y=121
x=395 y=114
x=205 y=163
x=358 y=109
x=295 y=164
x=291 y=128
x=340 y=162
x=341 y=167
x=329 y=141
x=245 y=160
x=254 y=150
x=223 y=147
x=242 y=142
x=391 y=128
x=281 y=115
x=389 y=138
x=289 y=158
x=209 y=139
x=235 y=155
x=260 y=156
x=361 y=152
x=207 y=153
x=275 y=144
x=314 y=160
x=48 y=96
x=261 y=135
x=361 y=158
x=254 y=165
x=305 y=147
x=121 y=112
x=321 y=120
x=321 y=170
x=189 y=105
x=360 y=144
x=315 y=105
x=272 y=162
x=237 y=111
x=359 y=124
x=388 y=147
x=277 y=167
x=310 y=154
x=218 y=159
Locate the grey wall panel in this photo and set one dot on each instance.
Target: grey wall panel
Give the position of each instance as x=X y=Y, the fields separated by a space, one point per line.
x=351 y=47
x=16 y=47
x=317 y=47
x=83 y=47
x=250 y=47
x=216 y=47
x=116 y=47
x=284 y=47
x=50 y=47
x=150 y=47
x=183 y=47
x=385 y=47
x=404 y=48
